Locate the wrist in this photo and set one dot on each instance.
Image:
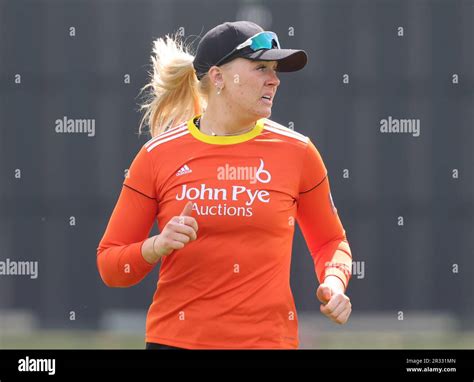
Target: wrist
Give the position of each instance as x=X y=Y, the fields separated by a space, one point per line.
x=335 y=283
x=156 y=251
x=149 y=253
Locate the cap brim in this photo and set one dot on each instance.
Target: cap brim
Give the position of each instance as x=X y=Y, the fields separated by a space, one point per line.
x=289 y=60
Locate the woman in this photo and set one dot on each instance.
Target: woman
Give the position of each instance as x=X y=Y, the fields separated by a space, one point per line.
x=226 y=186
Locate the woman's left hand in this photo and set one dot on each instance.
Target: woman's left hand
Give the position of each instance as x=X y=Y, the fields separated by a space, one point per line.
x=335 y=304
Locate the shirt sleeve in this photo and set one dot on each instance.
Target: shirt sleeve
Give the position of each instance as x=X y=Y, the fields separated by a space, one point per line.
x=319 y=222
x=119 y=256
x=141 y=175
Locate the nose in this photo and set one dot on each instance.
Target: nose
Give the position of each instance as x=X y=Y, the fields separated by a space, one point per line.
x=273 y=80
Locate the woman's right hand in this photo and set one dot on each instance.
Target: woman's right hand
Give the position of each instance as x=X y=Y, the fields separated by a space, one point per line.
x=179 y=231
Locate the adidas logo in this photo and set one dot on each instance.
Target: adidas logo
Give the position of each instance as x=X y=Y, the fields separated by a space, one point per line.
x=184 y=170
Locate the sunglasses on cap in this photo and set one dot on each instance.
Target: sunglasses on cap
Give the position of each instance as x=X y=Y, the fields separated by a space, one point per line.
x=262 y=40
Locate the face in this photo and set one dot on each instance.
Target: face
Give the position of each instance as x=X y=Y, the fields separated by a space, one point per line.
x=250 y=86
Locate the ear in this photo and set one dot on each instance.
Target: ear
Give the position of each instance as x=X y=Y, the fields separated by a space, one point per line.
x=216 y=77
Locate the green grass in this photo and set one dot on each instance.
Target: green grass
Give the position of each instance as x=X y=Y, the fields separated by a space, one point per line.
x=72 y=340
x=395 y=340
x=345 y=340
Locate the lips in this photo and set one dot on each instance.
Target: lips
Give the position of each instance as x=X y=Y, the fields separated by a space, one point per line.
x=267 y=99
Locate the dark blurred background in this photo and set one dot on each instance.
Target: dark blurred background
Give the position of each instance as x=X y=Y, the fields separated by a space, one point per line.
x=406 y=201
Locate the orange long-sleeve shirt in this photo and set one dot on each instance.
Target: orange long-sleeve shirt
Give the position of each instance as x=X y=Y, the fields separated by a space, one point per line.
x=230 y=288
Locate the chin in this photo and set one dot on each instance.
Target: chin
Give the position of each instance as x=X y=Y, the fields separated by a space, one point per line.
x=264 y=113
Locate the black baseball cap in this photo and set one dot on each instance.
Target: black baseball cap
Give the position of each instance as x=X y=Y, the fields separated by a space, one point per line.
x=221 y=41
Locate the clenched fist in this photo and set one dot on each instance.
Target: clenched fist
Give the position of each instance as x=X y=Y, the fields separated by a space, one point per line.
x=335 y=304
x=178 y=232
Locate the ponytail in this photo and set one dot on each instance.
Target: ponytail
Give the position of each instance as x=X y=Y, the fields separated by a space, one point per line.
x=175 y=94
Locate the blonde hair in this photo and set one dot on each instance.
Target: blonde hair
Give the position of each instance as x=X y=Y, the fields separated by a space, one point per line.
x=174 y=92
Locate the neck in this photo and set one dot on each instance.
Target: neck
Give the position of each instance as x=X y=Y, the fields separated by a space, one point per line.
x=220 y=121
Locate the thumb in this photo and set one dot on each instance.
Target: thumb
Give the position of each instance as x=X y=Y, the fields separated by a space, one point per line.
x=324 y=293
x=187 y=210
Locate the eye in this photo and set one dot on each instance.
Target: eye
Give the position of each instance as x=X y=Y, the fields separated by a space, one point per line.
x=263 y=66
